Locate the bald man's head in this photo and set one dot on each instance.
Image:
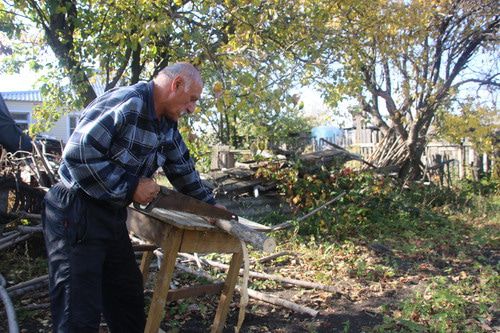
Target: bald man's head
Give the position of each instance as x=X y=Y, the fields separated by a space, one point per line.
x=177 y=88
x=184 y=69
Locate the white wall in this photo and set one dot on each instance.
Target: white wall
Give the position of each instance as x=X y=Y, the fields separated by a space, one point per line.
x=60 y=130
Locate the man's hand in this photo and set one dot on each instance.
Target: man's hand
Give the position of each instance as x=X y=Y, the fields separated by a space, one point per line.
x=212 y=220
x=146 y=191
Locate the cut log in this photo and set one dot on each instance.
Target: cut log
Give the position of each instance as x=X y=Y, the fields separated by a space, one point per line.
x=258 y=240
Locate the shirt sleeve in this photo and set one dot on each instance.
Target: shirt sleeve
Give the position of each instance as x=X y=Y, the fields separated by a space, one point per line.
x=180 y=171
x=88 y=157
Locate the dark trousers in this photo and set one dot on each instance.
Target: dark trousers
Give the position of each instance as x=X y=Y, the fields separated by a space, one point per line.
x=92 y=268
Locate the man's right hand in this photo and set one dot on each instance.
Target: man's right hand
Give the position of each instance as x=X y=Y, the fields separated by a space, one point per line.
x=146 y=191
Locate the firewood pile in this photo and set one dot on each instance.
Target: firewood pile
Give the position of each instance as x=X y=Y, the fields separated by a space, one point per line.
x=24 y=179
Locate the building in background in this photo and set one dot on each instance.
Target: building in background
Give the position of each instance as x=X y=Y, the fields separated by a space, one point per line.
x=21 y=105
x=12 y=137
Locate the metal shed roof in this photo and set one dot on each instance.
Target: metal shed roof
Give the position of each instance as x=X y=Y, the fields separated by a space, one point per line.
x=22 y=96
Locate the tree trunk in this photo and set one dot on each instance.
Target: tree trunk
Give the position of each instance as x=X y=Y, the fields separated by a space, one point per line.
x=477 y=167
x=136 y=65
x=412 y=165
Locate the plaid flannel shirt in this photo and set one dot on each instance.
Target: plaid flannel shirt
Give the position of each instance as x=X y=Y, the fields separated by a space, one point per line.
x=119 y=140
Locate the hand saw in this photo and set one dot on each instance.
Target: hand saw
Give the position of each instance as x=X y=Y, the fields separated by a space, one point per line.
x=223 y=219
x=173 y=200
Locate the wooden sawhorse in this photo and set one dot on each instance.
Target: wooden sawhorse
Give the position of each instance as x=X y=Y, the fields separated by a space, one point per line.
x=176 y=232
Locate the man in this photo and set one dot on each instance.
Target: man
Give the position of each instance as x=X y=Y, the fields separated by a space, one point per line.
x=122 y=138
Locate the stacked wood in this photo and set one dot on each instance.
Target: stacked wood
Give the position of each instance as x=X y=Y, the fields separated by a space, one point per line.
x=324 y=157
x=21 y=234
x=237 y=181
x=390 y=151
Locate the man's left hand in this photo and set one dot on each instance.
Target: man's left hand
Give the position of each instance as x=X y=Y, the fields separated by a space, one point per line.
x=212 y=220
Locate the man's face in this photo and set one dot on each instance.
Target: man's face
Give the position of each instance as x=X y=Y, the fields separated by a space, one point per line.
x=184 y=102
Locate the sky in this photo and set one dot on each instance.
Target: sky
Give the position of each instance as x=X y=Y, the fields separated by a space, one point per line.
x=23 y=81
x=315 y=107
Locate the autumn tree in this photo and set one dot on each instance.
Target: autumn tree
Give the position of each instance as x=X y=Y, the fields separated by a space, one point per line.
x=119 y=42
x=477 y=123
x=402 y=61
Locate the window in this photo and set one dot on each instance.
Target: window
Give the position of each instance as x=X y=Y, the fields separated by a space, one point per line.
x=22 y=119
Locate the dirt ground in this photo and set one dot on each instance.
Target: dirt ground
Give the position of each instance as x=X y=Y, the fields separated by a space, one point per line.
x=335 y=316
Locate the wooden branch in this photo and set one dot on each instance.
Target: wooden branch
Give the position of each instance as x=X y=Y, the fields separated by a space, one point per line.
x=258 y=295
x=34 y=307
x=45 y=163
x=120 y=71
x=28 y=283
x=300 y=283
x=487 y=81
x=28 y=286
x=195 y=291
x=379 y=121
x=287 y=224
x=281 y=302
x=271 y=257
x=28 y=216
x=15 y=241
x=9 y=237
x=144 y=247
x=30 y=229
x=23 y=291
x=8 y=233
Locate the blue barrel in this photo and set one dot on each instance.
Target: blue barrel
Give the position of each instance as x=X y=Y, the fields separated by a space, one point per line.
x=330 y=133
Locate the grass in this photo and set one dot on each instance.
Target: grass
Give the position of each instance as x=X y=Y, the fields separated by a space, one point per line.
x=446 y=253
